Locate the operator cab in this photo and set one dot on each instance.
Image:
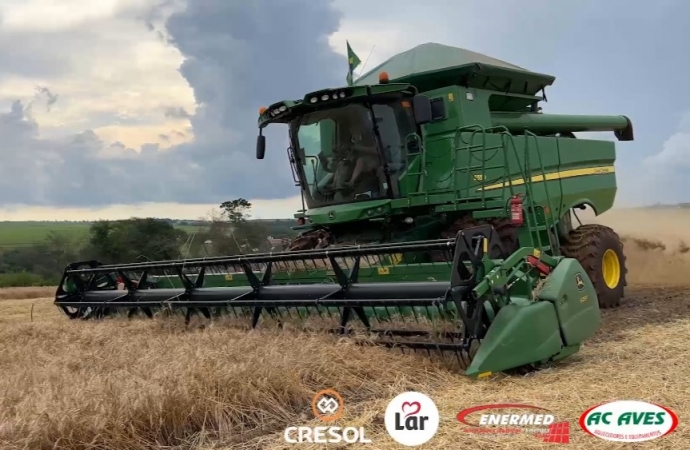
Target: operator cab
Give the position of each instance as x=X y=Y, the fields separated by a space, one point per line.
x=355 y=147
x=343 y=152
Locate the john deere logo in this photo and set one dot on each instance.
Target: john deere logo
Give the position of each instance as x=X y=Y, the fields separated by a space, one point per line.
x=579 y=281
x=331 y=215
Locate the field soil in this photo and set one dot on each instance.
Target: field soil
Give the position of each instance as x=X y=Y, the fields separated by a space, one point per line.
x=144 y=384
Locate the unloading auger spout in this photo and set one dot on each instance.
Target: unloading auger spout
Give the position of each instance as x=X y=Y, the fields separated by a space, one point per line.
x=520 y=311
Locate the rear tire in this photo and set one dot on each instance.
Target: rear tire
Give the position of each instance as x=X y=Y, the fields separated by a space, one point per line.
x=600 y=251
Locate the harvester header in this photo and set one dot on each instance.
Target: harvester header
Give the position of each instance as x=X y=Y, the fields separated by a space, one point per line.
x=439 y=213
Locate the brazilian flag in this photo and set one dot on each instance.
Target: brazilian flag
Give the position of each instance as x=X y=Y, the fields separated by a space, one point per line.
x=352 y=62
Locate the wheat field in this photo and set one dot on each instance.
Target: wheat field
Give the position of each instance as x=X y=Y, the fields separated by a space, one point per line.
x=145 y=384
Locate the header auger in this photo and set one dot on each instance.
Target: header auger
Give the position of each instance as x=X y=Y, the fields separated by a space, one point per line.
x=438 y=201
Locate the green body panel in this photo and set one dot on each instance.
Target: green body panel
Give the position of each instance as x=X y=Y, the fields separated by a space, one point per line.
x=492 y=142
x=577 y=307
x=519 y=335
x=563 y=316
x=352 y=212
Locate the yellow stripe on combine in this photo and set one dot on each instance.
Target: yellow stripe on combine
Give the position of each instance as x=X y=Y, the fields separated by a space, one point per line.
x=599 y=170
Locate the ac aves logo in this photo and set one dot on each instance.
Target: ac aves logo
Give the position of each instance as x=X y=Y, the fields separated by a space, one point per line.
x=628 y=421
x=579 y=281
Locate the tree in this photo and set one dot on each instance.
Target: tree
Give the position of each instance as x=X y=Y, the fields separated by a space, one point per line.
x=237 y=211
x=247 y=236
x=60 y=251
x=135 y=239
x=46 y=259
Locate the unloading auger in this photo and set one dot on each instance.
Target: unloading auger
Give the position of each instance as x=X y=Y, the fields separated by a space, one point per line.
x=493 y=314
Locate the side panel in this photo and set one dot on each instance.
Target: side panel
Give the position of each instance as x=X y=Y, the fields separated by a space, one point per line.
x=479 y=164
x=518 y=335
x=438 y=140
x=573 y=294
x=589 y=174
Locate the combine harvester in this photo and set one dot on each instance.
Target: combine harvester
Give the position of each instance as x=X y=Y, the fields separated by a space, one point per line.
x=437 y=216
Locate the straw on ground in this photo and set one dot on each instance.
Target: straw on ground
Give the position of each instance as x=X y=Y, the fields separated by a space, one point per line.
x=144 y=384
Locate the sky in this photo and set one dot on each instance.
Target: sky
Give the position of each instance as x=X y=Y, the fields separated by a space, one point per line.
x=121 y=108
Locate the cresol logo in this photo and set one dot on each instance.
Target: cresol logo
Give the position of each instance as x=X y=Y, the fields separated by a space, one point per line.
x=628 y=421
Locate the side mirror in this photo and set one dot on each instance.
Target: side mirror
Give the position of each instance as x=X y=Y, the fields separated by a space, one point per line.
x=260 y=146
x=422 y=109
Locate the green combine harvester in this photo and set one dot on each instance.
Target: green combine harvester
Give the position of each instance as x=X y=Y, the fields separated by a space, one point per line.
x=438 y=207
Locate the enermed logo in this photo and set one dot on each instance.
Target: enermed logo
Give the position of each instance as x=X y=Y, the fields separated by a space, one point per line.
x=628 y=421
x=497 y=420
x=411 y=419
x=327 y=406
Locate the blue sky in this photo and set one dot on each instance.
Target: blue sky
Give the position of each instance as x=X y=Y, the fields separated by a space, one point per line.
x=143 y=107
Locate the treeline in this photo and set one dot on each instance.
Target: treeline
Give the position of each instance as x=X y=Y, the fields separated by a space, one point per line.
x=144 y=239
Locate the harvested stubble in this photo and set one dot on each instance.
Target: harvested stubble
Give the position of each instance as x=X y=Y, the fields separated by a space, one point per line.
x=146 y=384
x=19 y=293
x=142 y=384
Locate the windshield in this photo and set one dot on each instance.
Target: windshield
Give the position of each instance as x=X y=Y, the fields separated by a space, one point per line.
x=337 y=156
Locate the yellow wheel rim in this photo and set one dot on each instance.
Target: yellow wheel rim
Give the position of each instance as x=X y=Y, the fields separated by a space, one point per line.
x=611 y=268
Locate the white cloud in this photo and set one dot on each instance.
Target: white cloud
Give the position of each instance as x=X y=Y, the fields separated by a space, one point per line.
x=39 y=15
x=661 y=177
x=113 y=75
x=116 y=78
x=261 y=209
x=675 y=152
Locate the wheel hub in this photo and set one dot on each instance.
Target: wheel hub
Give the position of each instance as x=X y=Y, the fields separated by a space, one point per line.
x=611 y=268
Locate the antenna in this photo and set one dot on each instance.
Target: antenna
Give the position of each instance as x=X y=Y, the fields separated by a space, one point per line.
x=365 y=61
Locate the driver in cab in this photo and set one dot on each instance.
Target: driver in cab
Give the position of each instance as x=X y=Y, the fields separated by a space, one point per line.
x=357 y=161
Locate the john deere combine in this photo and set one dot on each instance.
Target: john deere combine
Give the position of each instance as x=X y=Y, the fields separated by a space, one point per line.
x=437 y=215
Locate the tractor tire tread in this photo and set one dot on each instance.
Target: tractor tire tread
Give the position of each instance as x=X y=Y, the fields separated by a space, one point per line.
x=586 y=243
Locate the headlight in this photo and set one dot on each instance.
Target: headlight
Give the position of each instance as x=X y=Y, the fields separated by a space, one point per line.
x=313 y=100
x=324 y=97
x=282 y=108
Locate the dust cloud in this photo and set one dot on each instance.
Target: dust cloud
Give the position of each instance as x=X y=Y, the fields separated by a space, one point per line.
x=656 y=240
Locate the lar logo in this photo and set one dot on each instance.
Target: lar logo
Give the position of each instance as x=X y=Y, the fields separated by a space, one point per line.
x=628 y=421
x=327 y=406
x=411 y=419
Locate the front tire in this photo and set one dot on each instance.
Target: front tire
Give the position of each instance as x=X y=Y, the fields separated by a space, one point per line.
x=600 y=251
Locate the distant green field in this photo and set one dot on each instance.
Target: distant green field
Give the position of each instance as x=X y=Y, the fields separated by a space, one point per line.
x=22 y=234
